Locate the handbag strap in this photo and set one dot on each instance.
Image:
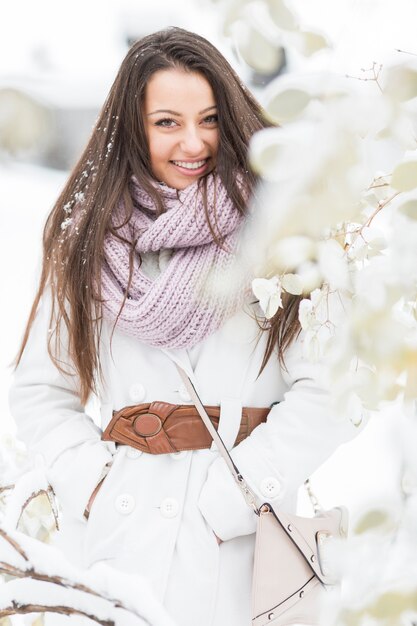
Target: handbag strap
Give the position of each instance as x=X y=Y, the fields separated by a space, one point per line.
x=247 y=492
x=334 y=519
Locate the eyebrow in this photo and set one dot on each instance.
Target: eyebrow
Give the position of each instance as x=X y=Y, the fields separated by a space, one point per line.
x=214 y=106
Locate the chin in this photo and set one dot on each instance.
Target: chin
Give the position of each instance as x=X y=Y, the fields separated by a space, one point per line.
x=182 y=184
x=185 y=184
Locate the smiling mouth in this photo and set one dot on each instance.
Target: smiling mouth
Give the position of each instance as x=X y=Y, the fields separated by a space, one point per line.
x=191 y=165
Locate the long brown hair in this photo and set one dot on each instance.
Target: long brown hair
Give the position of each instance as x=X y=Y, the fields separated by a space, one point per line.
x=76 y=227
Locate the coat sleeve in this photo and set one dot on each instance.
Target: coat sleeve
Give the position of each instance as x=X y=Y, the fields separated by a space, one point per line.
x=52 y=422
x=301 y=432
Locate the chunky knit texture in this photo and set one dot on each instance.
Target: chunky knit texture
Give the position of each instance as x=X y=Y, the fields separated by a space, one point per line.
x=201 y=285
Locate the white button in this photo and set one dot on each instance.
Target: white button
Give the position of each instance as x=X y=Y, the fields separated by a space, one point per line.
x=178 y=455
x=184 y=395
x=124 y=503
x=137 y=392
x=169 y=507
x=133 y=453
x=270 y=487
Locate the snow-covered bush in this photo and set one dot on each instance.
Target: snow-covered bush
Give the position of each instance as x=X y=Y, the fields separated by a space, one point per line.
x=335 y=221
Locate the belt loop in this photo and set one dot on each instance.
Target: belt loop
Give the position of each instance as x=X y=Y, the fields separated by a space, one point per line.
x=229 y=424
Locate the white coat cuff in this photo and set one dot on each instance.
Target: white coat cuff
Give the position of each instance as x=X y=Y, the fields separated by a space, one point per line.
x=221 y=501
x=75 y=474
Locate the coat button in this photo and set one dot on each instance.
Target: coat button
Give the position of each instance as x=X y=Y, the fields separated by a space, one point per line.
x=184 y=395
x=133 y=453
x=124 y=503
x=177 y=456
x=270 y=487
x=137 y=392
x=169 y=507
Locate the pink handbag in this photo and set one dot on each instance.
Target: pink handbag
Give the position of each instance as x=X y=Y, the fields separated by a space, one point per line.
x=289 y=570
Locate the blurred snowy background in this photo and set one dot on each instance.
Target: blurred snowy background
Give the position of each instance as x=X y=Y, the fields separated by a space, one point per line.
x=57 y=62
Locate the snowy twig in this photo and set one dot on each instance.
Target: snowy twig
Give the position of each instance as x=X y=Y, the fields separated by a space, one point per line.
x=44 y=582
x=29 y=486
x=13 y=543
x=6 y=488
x=375 y=74
x=380 y=206
x=10 y=570
x=18 y=609
x=406 y=52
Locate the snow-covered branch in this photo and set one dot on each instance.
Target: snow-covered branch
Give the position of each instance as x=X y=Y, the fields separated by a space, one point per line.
x=41 y=580
x=335 y=219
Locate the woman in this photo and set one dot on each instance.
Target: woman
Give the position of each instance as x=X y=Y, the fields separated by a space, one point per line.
x=139 y=276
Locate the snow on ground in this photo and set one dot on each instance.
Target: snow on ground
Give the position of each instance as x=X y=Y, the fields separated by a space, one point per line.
x=27 y=195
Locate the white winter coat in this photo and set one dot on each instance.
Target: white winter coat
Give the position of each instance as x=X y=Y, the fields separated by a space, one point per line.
x=155 y=514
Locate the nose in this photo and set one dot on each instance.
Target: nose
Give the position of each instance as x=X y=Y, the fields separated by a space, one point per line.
x=192 y=143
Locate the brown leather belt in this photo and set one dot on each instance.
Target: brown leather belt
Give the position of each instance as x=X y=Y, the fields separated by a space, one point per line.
x=160 y=427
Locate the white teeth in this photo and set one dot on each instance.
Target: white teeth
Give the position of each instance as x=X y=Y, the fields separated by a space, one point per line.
x=190 y=166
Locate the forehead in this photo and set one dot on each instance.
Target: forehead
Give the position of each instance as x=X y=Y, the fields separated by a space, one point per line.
x=178 y=90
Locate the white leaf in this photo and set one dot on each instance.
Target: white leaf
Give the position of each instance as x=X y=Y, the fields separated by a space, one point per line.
x=333 y=264
x=404 y=176
x=231 y=14
x=373 y=196
x=287 y=104
x=311 y=42
x=358 y=248
x=256 y=49
x=353 y=408
x=310 y=276
x=409 y=209
x=306 y=315
x=264 y=152
x=273 y=305
x=281 y=15
x=311 y=347
x=401 y=83
x=317 y=296
x=410 y=391
x=292 y=283
x=291 y=252
x=268 y=292
x=374 y=237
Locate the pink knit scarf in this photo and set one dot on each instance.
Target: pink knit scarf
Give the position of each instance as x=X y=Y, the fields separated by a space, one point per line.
x=199 y=288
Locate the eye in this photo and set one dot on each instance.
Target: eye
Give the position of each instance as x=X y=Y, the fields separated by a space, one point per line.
x=165 y=123
x=212 y=119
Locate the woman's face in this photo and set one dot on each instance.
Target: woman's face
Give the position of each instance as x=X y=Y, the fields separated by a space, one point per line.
x=180 y=117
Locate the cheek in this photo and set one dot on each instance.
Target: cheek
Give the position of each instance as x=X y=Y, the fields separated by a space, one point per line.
x=159 y=147
x=215 y=143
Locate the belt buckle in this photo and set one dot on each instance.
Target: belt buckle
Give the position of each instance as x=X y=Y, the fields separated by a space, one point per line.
x=147 y=424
